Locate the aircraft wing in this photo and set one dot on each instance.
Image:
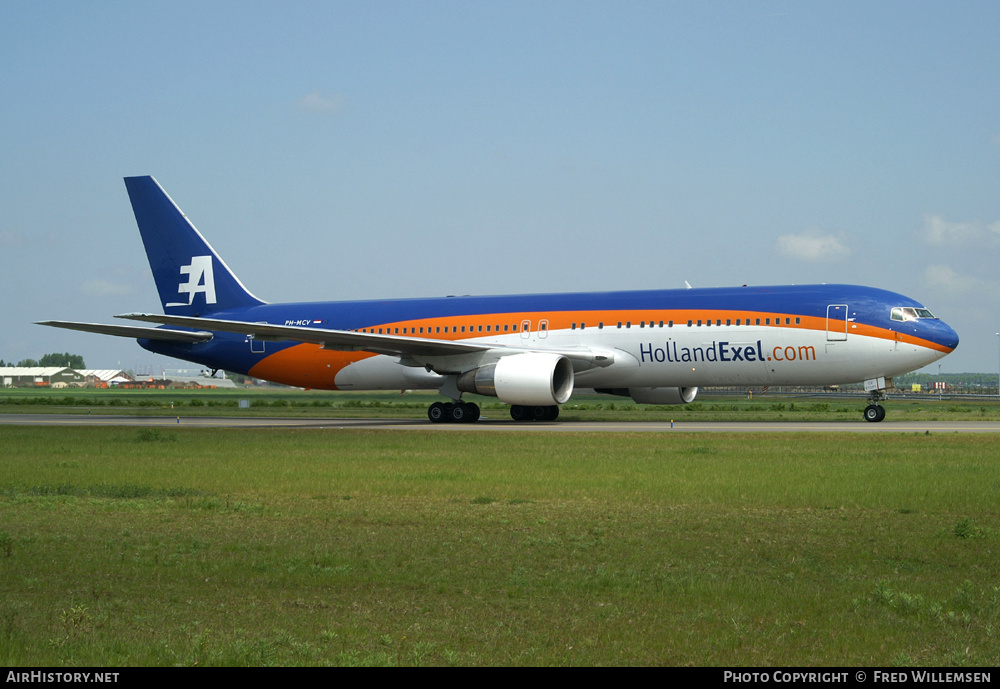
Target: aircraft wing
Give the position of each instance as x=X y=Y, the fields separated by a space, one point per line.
x=135 y=331
x=350 y=341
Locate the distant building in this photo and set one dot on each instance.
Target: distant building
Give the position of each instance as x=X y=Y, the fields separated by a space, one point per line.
x=199 y=382
x=40 y=377
x=186 y=382
x=56 y=377
x=104 y=377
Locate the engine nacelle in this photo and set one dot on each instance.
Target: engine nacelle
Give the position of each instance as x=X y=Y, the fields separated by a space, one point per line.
x=653 y=395
x=663 y=395
x=530 y=379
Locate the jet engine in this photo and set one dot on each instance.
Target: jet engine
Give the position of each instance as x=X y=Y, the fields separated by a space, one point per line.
x=663 y=395
x=654 y=395
x=530 y=379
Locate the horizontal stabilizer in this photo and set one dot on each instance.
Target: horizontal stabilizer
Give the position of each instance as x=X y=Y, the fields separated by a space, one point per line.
x=138 y=332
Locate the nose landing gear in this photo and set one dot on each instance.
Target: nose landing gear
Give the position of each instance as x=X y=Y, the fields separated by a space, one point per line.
x=874 y=412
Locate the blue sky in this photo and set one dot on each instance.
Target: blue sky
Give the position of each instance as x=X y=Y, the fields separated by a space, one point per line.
x=342 y=150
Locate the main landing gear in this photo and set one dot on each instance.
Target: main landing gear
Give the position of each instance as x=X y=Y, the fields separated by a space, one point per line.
x=468 y=412
x=519 y=412
x=874 y=412
x=453 y=412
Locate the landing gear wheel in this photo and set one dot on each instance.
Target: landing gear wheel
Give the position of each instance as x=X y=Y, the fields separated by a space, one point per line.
x=458 y=413
x=464 y=412
x=472 y=412
x=545 y=413
x=520 y=412
x=539 y=413
x=436 y=412
x=874 y=413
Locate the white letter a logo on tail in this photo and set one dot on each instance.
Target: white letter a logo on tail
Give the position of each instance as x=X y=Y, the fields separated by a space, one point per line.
x=200 y=279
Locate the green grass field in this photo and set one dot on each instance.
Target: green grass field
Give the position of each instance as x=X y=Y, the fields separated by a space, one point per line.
x=772 y=406
x=314 y=547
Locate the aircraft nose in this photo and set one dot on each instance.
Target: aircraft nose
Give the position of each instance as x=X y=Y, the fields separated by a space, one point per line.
x=945 y=335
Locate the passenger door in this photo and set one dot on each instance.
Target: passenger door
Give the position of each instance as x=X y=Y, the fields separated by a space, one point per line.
x=836 y=323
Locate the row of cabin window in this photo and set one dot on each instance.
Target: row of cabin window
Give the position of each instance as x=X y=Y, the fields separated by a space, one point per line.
x=436 y=330
x=699 y=323
x=544 y=326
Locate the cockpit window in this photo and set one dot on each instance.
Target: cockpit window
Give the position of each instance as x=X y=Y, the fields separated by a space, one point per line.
x=908 y=313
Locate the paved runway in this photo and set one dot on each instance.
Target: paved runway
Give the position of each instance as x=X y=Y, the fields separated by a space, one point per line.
x=505 y=424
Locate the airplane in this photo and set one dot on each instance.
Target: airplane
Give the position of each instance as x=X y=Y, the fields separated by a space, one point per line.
x=530 y=351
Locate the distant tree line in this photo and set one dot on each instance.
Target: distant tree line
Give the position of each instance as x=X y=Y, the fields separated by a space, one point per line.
x=64 y=360
x=954 y=380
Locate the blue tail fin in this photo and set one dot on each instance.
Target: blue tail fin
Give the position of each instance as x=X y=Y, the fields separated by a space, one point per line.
x=191 y=278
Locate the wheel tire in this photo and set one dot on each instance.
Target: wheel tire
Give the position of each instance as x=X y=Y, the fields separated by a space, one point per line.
x=459 y=413
x=874 y=413
x=518 y=413
x=539 y=413
x=436 y=413
x=472 y=412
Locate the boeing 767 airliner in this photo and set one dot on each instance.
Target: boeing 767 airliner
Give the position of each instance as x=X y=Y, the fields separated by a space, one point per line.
x=530 y=351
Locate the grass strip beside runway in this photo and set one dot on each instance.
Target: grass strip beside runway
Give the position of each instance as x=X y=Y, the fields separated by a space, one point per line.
x=127 y=546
